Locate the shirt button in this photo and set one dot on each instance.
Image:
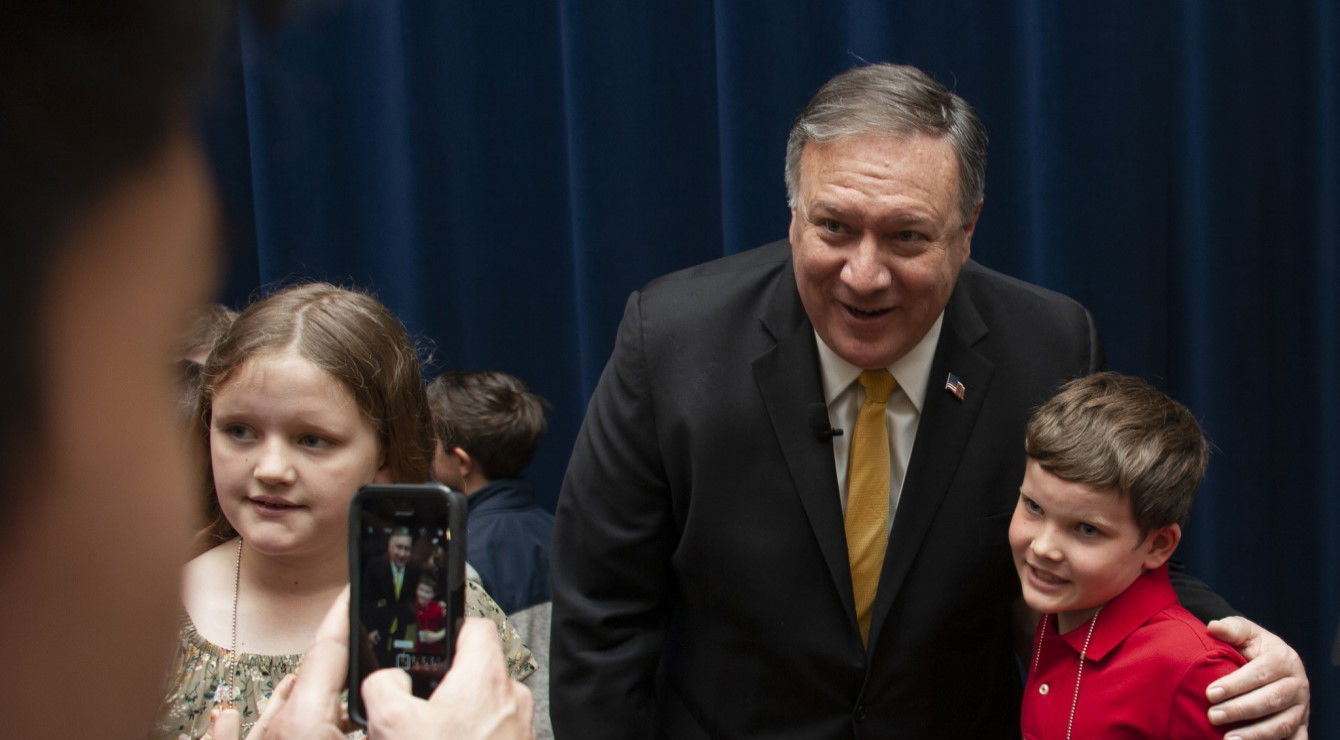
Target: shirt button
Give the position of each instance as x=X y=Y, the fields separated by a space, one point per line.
x=860 y=713
x=1043 y=689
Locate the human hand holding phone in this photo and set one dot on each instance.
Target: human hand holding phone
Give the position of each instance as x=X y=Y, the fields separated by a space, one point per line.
x=476 y=699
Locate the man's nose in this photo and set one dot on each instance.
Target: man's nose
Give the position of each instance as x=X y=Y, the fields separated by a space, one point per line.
x=866 y=269
x=273 y=465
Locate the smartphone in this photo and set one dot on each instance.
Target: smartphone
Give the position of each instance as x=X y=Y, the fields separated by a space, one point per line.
x=407 y=584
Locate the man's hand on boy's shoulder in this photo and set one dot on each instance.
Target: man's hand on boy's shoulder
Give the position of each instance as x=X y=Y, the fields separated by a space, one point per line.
x=1272 y=687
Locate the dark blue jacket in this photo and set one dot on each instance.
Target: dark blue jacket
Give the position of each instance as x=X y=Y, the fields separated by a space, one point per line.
x=507 y=541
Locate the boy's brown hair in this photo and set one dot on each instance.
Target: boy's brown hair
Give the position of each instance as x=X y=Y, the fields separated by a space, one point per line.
x=356 y=339
x=1114 y=432
x=493 y=416
x=208 y=326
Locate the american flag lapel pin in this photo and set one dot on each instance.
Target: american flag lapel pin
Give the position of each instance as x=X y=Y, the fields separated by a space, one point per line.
x=955 y=386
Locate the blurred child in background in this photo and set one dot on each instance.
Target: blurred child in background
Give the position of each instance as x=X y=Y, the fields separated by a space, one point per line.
x=489 y=425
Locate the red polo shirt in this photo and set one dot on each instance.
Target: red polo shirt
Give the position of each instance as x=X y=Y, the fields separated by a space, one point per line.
x=1145 y=672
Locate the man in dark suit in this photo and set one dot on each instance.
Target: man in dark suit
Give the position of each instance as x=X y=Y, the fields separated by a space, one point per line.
x=726 y=564
x=388 y=591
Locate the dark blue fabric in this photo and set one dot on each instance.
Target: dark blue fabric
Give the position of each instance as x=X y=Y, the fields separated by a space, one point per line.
x=503 y=174
x=507 y=541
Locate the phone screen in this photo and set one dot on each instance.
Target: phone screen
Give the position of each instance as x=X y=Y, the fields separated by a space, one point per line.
x=407 y=583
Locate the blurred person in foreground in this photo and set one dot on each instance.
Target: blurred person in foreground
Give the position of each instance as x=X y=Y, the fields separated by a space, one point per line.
x=110 y=223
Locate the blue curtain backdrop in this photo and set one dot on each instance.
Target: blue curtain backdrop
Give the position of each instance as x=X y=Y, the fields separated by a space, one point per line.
x=503 y=174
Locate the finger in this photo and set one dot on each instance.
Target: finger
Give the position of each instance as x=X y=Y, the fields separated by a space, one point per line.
x=278 y=698
x=526 y=701
x=1250 y=677
x=478 y=657
x=224 y=725
x=1235 y=631
x=381 y=684
x=1281 y=726
x=1270 y=667
x=1278 y=703
x=386 y=699
x=322 y=675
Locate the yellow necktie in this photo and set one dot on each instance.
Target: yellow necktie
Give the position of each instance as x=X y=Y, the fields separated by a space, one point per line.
x=867 y=517
x=398 y=576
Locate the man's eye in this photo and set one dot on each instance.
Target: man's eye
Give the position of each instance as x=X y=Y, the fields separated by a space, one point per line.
x=907 y=235
x=830 y=225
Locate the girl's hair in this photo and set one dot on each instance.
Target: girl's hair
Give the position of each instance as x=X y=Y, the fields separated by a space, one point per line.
x=356 y=339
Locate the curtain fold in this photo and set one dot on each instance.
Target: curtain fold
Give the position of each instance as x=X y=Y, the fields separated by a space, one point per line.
x=503 y=177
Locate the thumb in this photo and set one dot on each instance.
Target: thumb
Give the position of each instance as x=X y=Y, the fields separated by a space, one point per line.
x=387 y=684
x=1235 y=631
x=387 y=697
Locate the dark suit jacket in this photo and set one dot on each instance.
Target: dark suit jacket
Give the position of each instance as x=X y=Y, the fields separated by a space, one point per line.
x=701 y=585
x=380 y=602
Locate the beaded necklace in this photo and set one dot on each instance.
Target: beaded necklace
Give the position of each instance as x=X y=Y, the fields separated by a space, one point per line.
x=228 y=691
x=1079 y=675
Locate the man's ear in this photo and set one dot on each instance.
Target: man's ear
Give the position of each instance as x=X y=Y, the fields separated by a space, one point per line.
x=969 y=228
x=1160 y=544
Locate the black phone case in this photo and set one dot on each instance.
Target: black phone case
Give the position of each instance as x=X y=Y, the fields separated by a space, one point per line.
x=454 y=506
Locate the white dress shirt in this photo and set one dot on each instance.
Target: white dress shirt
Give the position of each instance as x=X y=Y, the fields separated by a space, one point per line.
x=844 y=397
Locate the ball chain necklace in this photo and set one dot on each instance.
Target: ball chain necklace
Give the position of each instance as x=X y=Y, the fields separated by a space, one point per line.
x=228 y=691
x=1079 y=674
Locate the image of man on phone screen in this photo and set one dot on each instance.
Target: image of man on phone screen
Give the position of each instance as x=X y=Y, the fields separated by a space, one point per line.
x=389 y=585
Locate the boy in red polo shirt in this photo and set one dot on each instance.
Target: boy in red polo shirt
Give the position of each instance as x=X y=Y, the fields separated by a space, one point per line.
x=1113 y=465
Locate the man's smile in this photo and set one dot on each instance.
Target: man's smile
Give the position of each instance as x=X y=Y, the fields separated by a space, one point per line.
x=865 y=313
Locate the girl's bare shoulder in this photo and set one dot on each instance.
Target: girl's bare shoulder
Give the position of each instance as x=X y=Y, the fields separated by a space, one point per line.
x=207 y=590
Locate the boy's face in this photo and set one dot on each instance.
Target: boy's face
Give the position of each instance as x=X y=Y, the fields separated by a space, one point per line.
x=424 y=593
x=1076 y=548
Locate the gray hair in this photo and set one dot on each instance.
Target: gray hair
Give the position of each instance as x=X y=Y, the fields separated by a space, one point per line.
x=894 y=99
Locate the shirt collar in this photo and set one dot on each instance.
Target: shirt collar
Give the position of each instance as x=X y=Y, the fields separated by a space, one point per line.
x=1151 y=593
x=912 y=370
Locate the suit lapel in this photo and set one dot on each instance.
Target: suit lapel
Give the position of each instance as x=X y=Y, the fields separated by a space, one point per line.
x=942 y=434
x=789 y=382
